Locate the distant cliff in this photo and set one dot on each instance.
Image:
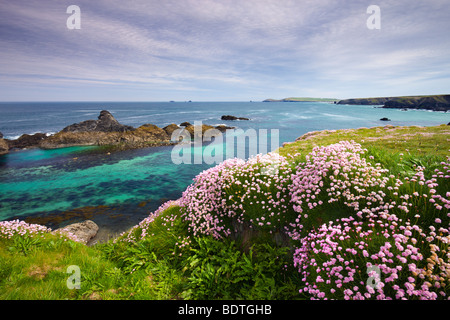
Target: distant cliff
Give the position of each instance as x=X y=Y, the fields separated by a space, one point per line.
x=302 y=100
x=435 y=102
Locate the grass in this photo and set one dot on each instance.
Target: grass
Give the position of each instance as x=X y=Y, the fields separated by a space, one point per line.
x=161 y=259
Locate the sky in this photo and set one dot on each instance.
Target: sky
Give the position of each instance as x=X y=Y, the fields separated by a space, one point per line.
x=222 y=50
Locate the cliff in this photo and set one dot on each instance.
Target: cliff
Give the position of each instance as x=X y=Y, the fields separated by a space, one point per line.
x=434 y=102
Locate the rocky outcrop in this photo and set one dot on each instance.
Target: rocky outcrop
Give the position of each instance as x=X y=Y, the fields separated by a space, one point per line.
x=107 y=131
x=83 y=231
x=385 y=119
x=228 y=117
x=105 y=123
x=27 y=141
x=435 y=102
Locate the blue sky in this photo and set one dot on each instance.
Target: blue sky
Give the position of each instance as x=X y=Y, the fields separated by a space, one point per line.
x=222 y=50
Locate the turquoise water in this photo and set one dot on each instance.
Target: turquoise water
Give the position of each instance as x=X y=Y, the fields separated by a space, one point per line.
x=40 y=182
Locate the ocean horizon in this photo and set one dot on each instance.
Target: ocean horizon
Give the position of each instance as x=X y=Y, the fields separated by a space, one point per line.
x=117 y=190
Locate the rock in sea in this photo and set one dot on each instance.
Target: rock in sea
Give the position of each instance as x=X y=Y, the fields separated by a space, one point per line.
x=228 y=117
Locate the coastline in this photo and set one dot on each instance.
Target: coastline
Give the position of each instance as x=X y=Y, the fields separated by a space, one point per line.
x=429 y=102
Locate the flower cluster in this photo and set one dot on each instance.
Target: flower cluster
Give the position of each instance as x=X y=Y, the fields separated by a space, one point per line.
x=395 y=246
x=334 y=172
x=237 y=192
x=374 y=259
x=9 y=229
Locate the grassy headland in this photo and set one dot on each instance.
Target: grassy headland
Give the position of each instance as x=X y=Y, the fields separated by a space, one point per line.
x=345 y=214
x=302 y=99
x=431 y=102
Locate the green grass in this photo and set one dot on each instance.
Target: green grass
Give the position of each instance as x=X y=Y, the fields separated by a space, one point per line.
x=158 y=266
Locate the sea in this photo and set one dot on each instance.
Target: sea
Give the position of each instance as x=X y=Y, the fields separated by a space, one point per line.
x=119 y=189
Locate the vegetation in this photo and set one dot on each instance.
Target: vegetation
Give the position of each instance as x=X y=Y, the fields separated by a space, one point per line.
x=347 y=214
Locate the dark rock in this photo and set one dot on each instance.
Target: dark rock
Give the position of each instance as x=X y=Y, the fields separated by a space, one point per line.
x=27 y=141
x=1 y=135
x=385 y=119
x=105 y=123
x=185 y=124
x=228 y=117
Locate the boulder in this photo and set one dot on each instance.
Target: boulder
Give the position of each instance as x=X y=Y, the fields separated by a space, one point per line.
x=385 y=119
x=84 y=231
x=232 y=118
x=185 y=124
